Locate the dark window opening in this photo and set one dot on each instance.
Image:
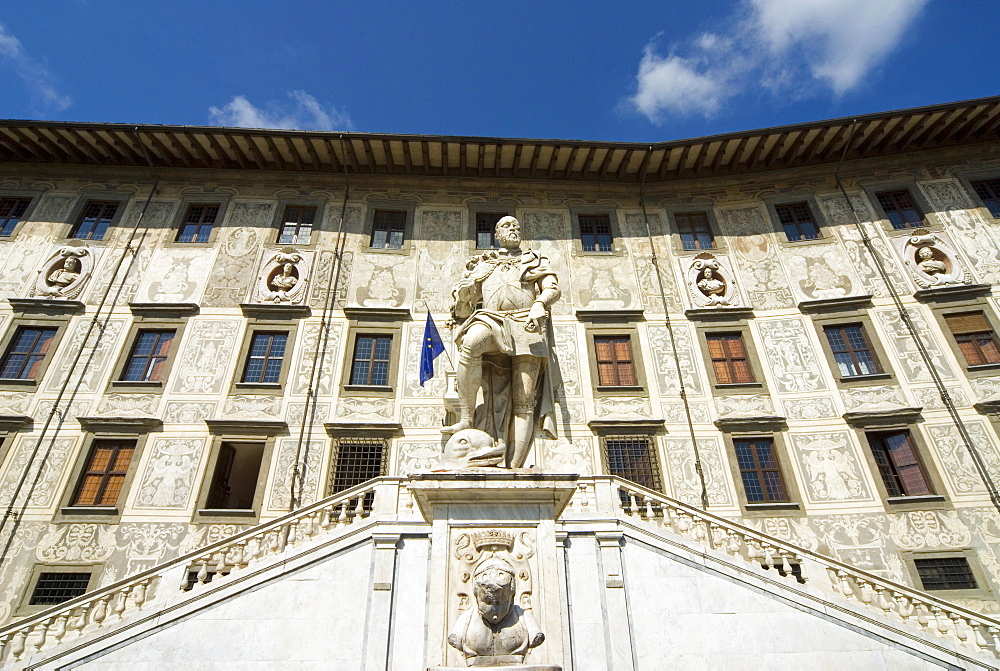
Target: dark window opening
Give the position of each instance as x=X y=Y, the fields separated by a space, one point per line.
x=54 y=588
x=899 y=464
x=297 y=226
x=149 y=356
x=104 y=474
x=694 y=230
x=234 y=482
x=26 y=353
x=11 y=211
x=900 y=209
x=851 y=350
x=388 y=227
x=798 y=221
x=632 y=458
x=945 y=573
x=267 y=351
x=595 y=232
x=371 y=360
x=759 y=470
x=198 y=223
x=95 y=220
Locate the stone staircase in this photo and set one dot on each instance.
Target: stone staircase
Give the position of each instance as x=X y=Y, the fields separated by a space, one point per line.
x=607 y=507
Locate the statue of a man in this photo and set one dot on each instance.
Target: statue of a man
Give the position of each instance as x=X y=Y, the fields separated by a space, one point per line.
x=66 y=274
x=496 y=631
x=514 y=289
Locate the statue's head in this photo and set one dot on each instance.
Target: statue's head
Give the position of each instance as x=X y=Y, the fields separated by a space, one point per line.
x=72 y=264
x=508 y=233
x=287 y=269
x=493 y=585
x=925 y=253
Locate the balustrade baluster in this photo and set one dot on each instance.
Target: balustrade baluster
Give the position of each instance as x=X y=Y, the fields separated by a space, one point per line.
x=359 y=509
x=203 y=571
x=120 y=602
x=100 y=611
x=786 y=565
x=904 y=606
x=139 y=593
x=978 y=640
x=994 y=639
x=36 y=636
x=272 y=541
x=883 y=598
x=220 y=565
x=959 y=626
x=342 y=514
x=17 y=646
x=922 y=614
x=768 y=560
x=845 y=584
x=59 y=630
x=941 y=620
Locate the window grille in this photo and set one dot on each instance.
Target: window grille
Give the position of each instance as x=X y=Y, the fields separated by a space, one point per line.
x=26 y=353
x=988 y=191
x=358 y=460
x=56 y=587
x=851 y=350
x=798 y=221
x=371 y=360
x=945 y=573
x=486 y=229
x=104 y=474
x=11 y=211
x=633 y=458
x=267 y=351
x=297 y=227
x=899 y=464
x=615 y=367
x=94 y=221
x=759 y=470
x=149 y=356
x=694 y=230
x=595 y=232
x=198 y=223
x=729 y=358
x=900 y=209
x=975 y=337
x=388 y=227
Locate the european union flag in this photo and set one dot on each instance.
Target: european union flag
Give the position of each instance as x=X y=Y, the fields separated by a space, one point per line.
x=433 y=346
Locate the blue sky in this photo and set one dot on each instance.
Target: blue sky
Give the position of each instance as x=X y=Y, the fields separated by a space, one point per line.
x=595 y=70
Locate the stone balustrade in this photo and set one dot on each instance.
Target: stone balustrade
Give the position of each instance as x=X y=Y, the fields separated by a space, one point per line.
x=610 y=497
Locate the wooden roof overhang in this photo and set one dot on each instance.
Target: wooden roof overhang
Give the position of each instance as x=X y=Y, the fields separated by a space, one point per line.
x=886 y=133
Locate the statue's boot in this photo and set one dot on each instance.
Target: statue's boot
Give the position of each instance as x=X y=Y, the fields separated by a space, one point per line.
x=524 y=428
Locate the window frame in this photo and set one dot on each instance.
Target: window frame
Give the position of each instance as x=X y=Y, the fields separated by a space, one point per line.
x=709 y=224
x=80 y=208
x=67 y=512
x=741 y=327
x=336 y=444
x=598 y=330
x=790 y=508
x=180 y=218
x=815 y=211
x=32 y=196
x=916 y=195
x=969 y=182
x=937 y=500
x=371 y=328
x=872 y=335
x=12 y=384
x=140 y=324
x=983 y=589
x=615 y=225
x=653 y=449
x=203 y=514
x=402 y=205
x=24 y=607
x=280 y=220
x=262 y=325
x=952 y=308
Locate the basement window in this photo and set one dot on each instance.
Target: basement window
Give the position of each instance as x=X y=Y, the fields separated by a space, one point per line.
x=55 y=587
x=945 y=573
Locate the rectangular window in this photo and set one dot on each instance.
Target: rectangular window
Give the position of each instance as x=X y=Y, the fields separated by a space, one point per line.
x=988 y=191
x=371 y=360
x=198 y=223
x=104 y=474
x=26 y=353
x=388 y=227
x=486 y=227
x=762 y=481
x=975 y=337
x=798 y=221
x=729 y=358
x=615 y=366
x=851 y=350
x=234 y=482
x=57 y=587
x=595 y=232
x=94 y=221
x=899 y=464
x=945 y=573
x=900 y=209
x=358 y=460
x=632 y=458
x=11 y=211
x=267 y=351
x=149 y=356
x=694 y=230
x=297 y=226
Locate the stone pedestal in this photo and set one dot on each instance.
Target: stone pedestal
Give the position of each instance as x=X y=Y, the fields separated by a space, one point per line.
x=479 y=514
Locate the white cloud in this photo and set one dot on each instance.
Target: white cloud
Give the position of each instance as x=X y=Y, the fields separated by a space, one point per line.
x=32 y=72
x=784 y=46
x=304 y=113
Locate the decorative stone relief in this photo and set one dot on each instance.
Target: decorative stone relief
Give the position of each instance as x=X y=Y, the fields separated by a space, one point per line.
x=295 y=413
x=931 y=260
x=321 y=277
x=673 y=413
x=574 y=413
x=663 y=358
x=875 y=398
x=787 y=529
x=147 y=545
x=206 y=534
x=929 y=399
x=53 y=208
x=176 y=275
x=820 y=271
x=107 y=347
x=16 y=579
x=680 y=459
x=790 y=355
x=956 y=462
x=25 y=256
x=763 y=277
x=202 y=364
x=820 y=407
x=551 y=225
x=76 y=409
x=649 y=284
x=603 y=282
x=51 y=470
x=125 y=286
x=710 y=283
x=76 y=543
x=128 y=405
x=856 y=539
x=839 y=212
x=312 y=454
x=929 y=529
x=187 y=412
x=417 y=457
x=382 y=280
x=566 y=357
x=435 y=387
x=361 y=408
x=283 y=277
x=170 y=472
x=441 y=258
x=298 y=376
x=831 y=466
x=906 y=351
x=622 y=408
x=252 y=406
x=971 y=233
x=65 y=273
x=568 y=456
x=750 y=405
x=421 y=416
x=14 y=403
x=234 y=267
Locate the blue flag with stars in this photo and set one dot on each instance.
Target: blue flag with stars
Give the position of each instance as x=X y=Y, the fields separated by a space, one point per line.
x=433 y=346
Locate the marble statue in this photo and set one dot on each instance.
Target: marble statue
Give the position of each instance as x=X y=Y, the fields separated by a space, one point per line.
x=496 y=632
x=503 y=344
x=471 y=448
x=282 y=278
x=928 y=263
x=710 y=285
x=67 y=274
x=932 y=261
